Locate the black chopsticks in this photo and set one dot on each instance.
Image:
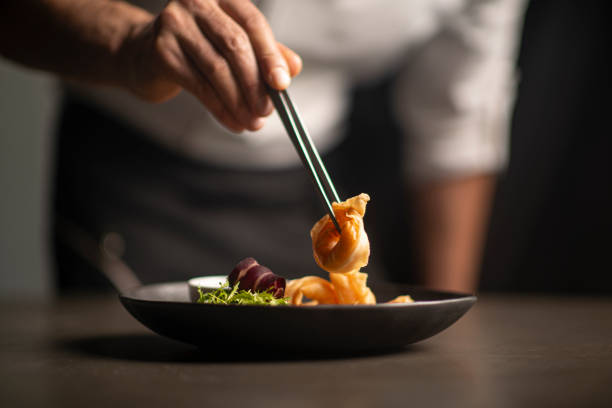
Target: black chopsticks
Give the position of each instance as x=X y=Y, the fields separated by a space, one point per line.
x=306 y=150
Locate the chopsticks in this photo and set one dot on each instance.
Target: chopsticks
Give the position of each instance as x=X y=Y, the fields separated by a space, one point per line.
x=306 y=150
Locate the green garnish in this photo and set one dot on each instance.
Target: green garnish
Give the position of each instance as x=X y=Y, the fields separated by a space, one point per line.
x=227 y=295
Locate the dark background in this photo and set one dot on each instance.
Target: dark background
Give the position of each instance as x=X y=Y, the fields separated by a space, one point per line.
x=551 y=226
x=552 y=220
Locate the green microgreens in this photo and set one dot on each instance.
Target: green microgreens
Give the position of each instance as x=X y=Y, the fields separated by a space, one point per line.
x=227 y=295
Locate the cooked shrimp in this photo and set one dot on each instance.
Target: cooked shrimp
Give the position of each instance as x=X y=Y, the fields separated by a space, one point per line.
x=347 y=251
x=351 y=288
x=318 y=290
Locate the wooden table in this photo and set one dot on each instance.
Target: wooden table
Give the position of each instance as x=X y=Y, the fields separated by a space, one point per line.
x=506 y=352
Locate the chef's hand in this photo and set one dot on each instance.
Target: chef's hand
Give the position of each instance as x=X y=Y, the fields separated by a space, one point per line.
x=219 y=50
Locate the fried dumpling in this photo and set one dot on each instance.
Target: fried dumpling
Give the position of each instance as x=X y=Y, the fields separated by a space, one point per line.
x=318 y=290
x=347 y=251
x=351 y=288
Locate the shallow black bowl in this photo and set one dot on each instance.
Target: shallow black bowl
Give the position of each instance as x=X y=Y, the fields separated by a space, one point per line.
x=166 y=309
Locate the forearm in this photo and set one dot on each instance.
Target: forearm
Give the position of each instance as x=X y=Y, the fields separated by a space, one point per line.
x=450 y=225
x=76 y=39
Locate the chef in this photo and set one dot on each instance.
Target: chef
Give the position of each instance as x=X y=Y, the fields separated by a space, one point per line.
x=167 y=141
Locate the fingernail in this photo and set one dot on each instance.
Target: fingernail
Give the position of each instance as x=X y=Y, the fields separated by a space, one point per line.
x=298 y=60
x=258 y=123
x=280 y=78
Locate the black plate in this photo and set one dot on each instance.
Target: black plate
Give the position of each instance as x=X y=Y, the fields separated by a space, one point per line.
x=166 y=309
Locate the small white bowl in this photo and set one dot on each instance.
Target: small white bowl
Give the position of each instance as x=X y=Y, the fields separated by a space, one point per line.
x=206 y=283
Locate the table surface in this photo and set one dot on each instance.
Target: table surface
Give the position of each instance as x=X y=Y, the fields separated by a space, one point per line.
x=508 y=351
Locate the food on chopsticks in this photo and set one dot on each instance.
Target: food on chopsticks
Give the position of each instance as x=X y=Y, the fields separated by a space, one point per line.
x=342 y=254
x=346 y=251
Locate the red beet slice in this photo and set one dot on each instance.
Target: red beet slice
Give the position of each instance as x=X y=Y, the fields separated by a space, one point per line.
x=255 y=277
x=240 y=270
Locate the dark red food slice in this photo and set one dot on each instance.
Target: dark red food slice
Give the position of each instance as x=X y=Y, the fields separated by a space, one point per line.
x=256 y=278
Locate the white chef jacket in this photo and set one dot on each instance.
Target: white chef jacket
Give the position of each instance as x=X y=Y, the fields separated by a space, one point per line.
x=453 y=98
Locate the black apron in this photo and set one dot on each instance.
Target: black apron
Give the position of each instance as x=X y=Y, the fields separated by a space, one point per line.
x=181 y=218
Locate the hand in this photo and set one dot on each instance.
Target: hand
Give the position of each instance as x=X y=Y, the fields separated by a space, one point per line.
x=219 y=50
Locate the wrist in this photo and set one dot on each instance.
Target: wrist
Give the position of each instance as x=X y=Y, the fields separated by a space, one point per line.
x=129 y=52
x=139 y=68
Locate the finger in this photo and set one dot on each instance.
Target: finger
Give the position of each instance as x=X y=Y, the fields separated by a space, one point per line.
x=216 y=69
x=274 y=68
x=182 y=71
x=293 y=59
x=211 y=99
x=233 y=44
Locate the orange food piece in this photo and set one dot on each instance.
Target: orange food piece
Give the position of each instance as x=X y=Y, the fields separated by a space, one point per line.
x=347 y=251
x=318 y=290
x=344 y=289
x=351 y=288
x=402 y=299
x=342 y=255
